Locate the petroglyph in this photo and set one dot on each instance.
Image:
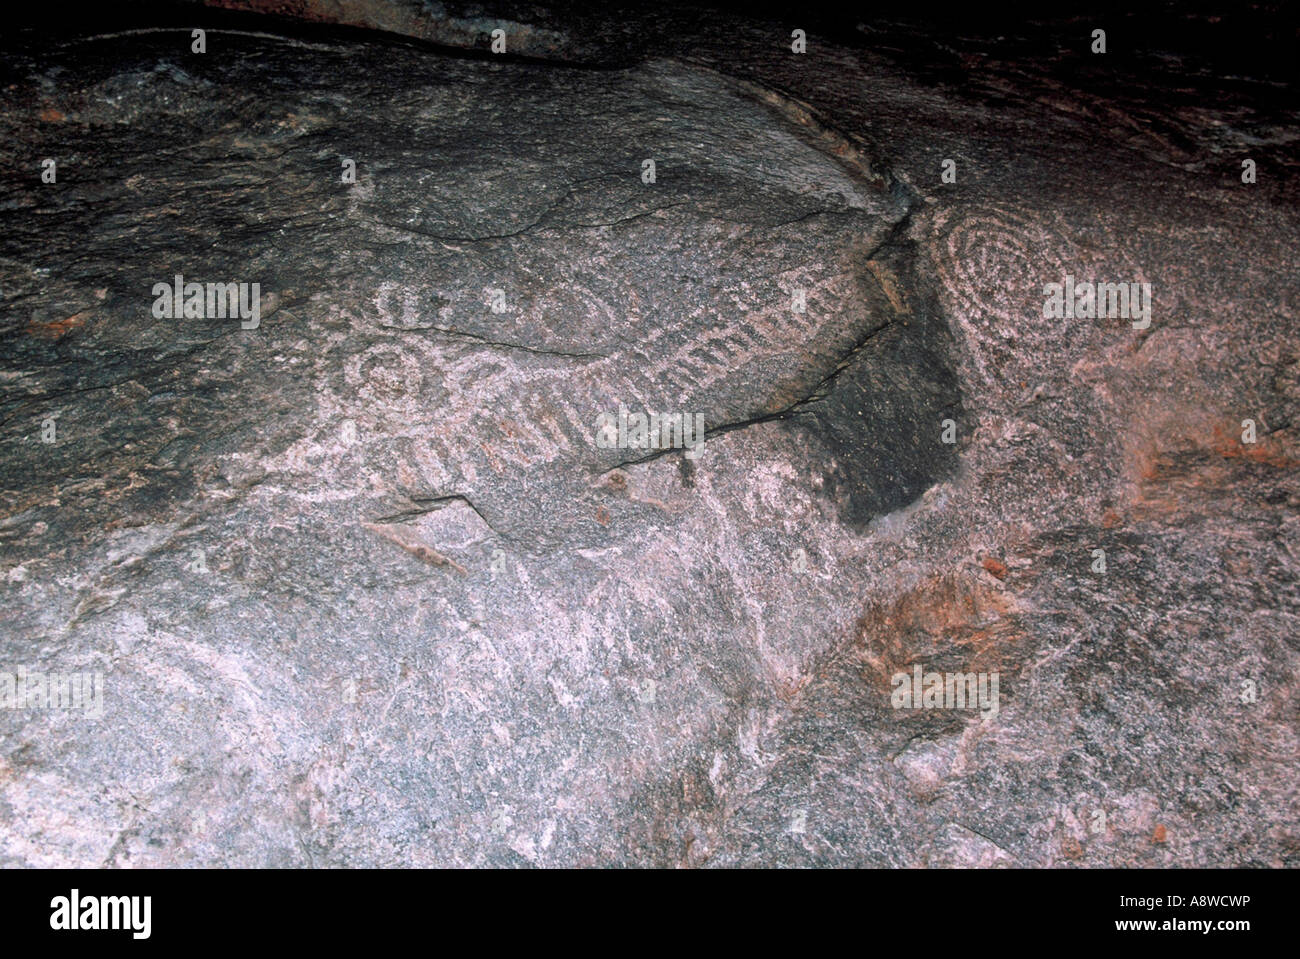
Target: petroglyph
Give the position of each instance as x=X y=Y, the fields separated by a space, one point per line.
x=493 y=354
x=399 y=385
x=992 y=260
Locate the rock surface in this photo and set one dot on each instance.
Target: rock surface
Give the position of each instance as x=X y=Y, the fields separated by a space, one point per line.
x=366 y=589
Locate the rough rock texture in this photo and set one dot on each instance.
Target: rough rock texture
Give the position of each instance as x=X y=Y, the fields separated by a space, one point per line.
x=365 y=590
